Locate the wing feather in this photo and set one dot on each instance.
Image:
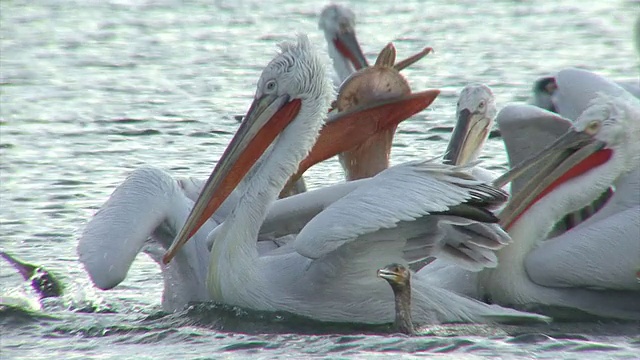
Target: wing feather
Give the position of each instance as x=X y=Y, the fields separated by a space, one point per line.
x=396 y=202
x=146 y=202
x=568 y=260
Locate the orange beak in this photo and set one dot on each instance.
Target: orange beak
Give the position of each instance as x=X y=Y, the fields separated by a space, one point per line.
x=348 y=129
x=348 y=46
x=266 y=119
x=570 y=156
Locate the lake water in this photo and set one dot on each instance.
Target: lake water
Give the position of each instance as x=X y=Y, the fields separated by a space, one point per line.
x=91 y=90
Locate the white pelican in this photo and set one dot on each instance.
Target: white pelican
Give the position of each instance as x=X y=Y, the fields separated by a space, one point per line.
x=551 y=92
x=591 y=268
x=601 y=252
x=328 y=271
x=338 y=23
x=475 y=113
x=146 y=210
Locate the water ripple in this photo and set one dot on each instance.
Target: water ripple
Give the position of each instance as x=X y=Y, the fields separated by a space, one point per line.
x=92 y=90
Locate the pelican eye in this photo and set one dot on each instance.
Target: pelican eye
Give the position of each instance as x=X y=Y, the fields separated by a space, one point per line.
x=593 y=127
x=271 y=86
x=481 y=105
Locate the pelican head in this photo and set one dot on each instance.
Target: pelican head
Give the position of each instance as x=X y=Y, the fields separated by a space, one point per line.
x=338 y=23
x=293 y=91
x=475 y=111
x=607 y=133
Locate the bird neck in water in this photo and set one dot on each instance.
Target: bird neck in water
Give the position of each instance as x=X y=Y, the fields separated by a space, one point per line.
x=403 y=321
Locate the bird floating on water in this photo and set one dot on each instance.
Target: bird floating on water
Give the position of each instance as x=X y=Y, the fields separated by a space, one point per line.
x=349 y=240
x=399 y=278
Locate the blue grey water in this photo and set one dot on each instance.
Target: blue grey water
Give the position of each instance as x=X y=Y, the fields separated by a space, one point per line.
x=91 y=90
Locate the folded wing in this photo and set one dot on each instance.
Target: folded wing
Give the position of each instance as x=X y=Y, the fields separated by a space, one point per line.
x=425 y=206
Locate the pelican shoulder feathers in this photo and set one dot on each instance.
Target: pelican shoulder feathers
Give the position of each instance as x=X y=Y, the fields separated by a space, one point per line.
x=395 y=199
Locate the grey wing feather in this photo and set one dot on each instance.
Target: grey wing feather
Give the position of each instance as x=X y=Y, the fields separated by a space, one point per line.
x=395 y=203
x=288 y=216
x=568 y=261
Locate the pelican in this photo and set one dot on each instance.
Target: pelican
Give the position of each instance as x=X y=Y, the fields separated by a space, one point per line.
x=562 y=93
x=328 y=272
x=145 y=212
x=338 y=23
x=383 y=79
x=475 y=113
x=600 y=253
x=591 y=268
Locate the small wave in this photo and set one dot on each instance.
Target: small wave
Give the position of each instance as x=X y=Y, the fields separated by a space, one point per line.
x=126 y=121
x=144 y=132
x=201 y=134
x=71 y=183
x=233 y=319
x=13 y=315
x=436 y=138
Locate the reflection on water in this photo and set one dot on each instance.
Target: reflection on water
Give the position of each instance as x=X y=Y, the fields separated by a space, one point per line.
x=92 y=90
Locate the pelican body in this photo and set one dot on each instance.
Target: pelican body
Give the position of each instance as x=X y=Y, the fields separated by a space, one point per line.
x=145 y=212
x=328 y=271
x=567 y=271
x=124 y=226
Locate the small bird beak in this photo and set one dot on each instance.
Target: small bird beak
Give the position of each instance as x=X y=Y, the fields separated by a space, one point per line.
x=469 y=135
x=387 y=274
x=348 y=46
x=26 y=270
x=267 y=117
x=572 y=155
x=345 y=130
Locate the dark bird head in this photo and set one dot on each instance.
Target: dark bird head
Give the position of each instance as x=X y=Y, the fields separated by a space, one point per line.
x=396 y=275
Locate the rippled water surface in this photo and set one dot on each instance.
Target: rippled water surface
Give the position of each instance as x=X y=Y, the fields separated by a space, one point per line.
x=91 y=90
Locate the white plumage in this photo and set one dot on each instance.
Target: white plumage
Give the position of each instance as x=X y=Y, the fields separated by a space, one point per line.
x=591 y=267
x=329 y=271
